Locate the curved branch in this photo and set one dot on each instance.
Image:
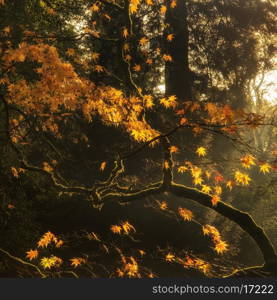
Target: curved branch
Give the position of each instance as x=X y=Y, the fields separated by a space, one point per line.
x=243 y=219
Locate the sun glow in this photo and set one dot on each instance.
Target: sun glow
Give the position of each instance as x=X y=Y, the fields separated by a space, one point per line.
x=266 y=86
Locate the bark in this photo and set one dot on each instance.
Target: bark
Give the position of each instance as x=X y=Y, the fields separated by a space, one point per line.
x=177 y=73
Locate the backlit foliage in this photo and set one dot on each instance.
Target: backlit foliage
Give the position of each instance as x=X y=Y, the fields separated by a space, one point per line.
x=54 y=87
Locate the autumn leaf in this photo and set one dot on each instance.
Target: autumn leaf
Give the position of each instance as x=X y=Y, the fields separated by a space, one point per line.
x=103 y=166
x=32 y=254
x=163 y=205
x=143 y=41
x=167 y=57
x=173 y=149
x=173 y=4
x=206 y=189
x=170 y=37
x=186 y=214
x=76 y=261
x=247 y=161
x=182 y=169
x=201 y=151
x=170 y=257
x=137 y=68
x=163 y=10
x=265 y=168
x=116 y=229
x=215 y=200
x=221 y=247
x=127 y=227
x=242 y=178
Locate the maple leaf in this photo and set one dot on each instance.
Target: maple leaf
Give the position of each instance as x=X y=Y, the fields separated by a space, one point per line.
x=163 y=205
x=47 y=167
x=201 y=151
x=116 y=229
x=265 y=168
x=198 y=181
x=143 y=41
x=170 y=37
x=206 y=189
x=242 y=178
x=103 y=166
x=170 y=257
x=127 y=227
x=218 y=178
x=230 y=184
x=215 y=200
x=137 y=68
x=163 y=10
x=173 y=149
x=182 y=169
x=169 y=102
x=95 y=56
x=149 y=61
x=94 y=7
x=77 y=261
x=186 y=214
x=173 y=4
x=167 y=57
x=247 y=161
x=70 y=52
x=98 y=68
x=32 y=254
x=221 y=247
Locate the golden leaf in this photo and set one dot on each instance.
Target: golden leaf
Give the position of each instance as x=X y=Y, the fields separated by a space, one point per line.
x=186 y=214
x=173 y=149
x=221 y=247
x=265 y=168
x=103 y=166
x=170 y=37
x=201 y=151
x=76 y=261
x=163 y=9
x=170 y=257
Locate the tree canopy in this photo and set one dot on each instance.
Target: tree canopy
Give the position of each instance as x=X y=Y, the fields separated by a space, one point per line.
x=132 y=100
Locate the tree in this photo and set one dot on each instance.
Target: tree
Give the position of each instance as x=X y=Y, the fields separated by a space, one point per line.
x=59 y=79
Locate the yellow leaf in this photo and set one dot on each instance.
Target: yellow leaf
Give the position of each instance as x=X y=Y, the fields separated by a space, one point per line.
x=265 y=168
x=182 y=169
x=127 y=227
x=247 y=161
x=163 y=9
x=170 y=257
x=206 y=189
x=230 y=184
x=221 y=247
x=201 y=151
x=242 y=178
